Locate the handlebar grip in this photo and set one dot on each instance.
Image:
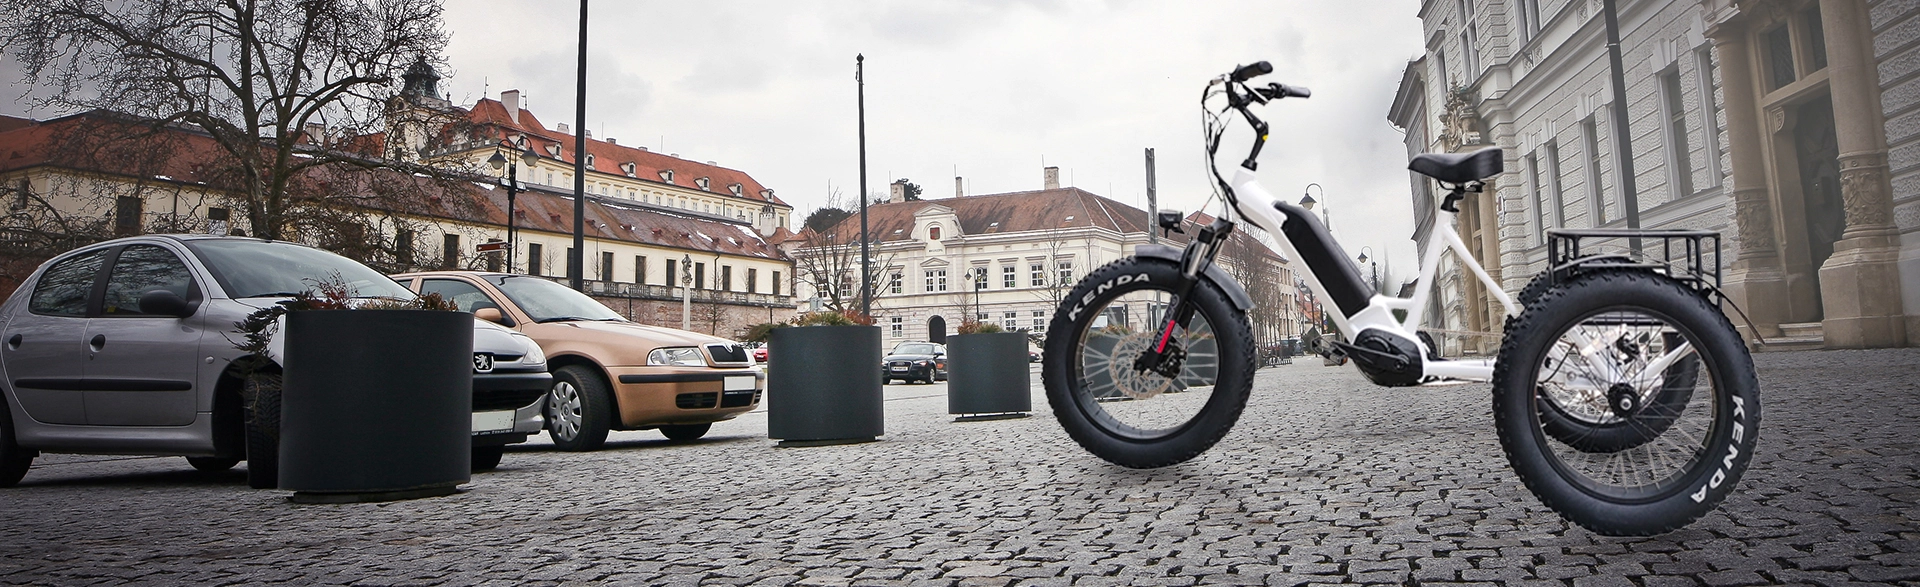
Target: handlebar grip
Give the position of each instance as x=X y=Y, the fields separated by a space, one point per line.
x=1293 y=91
x=1251 y=70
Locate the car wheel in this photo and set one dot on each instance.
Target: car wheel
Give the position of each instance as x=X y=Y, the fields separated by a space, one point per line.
x=486 y=458
x=14 y=461
x=212 y=464
x=685 y=431
x=579 y=410
x=262 y=395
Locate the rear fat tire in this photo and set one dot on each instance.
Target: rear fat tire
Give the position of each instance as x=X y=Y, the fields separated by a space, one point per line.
x=685 y=431
x=595 y=416
x=487 y=458
x=1521 y=427
x=14 y=461
x=1066 y=394
x=261 y=393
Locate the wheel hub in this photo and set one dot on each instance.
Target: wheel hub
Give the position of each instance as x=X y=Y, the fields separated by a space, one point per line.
x=1623 y=400
x=1138 y=380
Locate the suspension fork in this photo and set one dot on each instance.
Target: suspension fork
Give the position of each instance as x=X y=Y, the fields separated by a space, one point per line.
x=1199 y=255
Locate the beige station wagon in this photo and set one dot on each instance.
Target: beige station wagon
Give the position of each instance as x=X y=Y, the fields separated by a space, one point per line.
x=609 y=373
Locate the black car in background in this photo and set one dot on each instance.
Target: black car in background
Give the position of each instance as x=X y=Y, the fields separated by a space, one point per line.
x=915 y=361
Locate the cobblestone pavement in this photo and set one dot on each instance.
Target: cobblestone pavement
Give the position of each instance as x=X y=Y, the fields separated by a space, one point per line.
x=1326 y=480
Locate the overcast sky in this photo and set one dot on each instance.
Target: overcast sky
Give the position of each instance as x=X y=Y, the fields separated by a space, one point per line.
x=990 y=88
x=987 y=89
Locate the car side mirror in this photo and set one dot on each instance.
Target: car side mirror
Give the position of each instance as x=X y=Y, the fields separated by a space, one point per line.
x=491 y=315
x=162 y=302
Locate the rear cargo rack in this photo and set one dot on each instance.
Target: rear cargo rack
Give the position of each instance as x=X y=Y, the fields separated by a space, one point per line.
x=1690 y=256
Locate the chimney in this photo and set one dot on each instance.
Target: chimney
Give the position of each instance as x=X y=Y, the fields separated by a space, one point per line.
x=511 y=100
x=959 y=189
x=897 y=192
x=567 y=131
x=643 y=149
x=587 y=131
x=613 y=141
x=316 y=133
x=1052 y=174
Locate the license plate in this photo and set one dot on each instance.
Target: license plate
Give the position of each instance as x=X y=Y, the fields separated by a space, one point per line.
x=492 y=421
x=900 y=368
x=739 y=383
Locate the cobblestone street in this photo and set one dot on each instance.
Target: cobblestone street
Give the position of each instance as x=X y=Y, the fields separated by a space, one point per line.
x=1327 y=479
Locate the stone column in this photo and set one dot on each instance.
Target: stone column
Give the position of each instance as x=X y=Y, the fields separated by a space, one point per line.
x=1860 y=283
x=1488 y=205
x=1755 y=282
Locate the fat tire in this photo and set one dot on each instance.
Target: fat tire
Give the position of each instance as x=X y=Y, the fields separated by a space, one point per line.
x=261 y=392
x=1736 y=403
x=1072 y=404
x=596 y=409
x=487 y=458
x=685 y=431
x=14 y=461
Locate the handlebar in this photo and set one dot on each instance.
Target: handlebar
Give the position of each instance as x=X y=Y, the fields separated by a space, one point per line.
x=1251 y=70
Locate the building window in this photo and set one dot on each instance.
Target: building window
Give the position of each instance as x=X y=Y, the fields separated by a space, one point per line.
x=126 y=215
x=936 y=280
x=1709 y=114
x=726 y=278
x=1039 y=321
x=533 y=258
x=776 y=283
x=846 y=285
x=1554 y=195
x=1534 y=178
x=606 y=266
x=979 y=278
x=1816 y=39
x=1037 y=275
x=673 y=271
x=1468 y=47
x=403 y=246
x=700 y=276
x=1778 y=45
x=640 y=269
x=1007 y=277
x=1010 y=321
x=1596 y=197
x=450 y=251
x=1529 y=19
x=896 y=327
x=1066 y=272
x=753 y=278
x=895 y=282
x=1679 y=147
x=933 y=233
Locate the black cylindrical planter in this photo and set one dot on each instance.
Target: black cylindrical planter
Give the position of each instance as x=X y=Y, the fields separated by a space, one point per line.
x=377 y=404
x=988 y=374
x=825 y=389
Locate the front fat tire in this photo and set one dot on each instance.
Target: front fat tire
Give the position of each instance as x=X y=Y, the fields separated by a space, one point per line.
x=595 y=415
x=1736 y=402
x=1066 y=395
x=262 y=395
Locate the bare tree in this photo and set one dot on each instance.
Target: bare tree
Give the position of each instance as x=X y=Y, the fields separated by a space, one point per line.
x=829 y=261
x=283 y=88
x=1247 y=259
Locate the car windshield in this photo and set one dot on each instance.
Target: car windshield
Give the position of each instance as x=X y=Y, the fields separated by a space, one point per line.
x=253 y=269
x=914 y=348
x=546 y=301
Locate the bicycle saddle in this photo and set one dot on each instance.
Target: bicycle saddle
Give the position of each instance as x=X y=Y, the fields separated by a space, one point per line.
x=1459 y=167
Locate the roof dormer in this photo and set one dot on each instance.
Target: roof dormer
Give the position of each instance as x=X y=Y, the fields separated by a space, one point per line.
x=589 y=160
x=627 y=168
x=702 y=182
x=735 y=188
x=666 y=175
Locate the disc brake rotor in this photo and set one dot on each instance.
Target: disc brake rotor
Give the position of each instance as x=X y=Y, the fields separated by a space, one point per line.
x=1134 y=383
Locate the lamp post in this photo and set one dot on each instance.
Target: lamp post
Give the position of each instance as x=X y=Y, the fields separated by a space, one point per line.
x=686 y=292
x=1371 y=265
x=1307 y=201
x=499 y=161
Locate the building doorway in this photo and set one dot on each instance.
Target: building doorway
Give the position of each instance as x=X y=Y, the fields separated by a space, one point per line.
x=1818 y=152
x=937 y=330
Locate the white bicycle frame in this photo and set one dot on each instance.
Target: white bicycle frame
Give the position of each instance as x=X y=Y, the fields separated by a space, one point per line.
x=1257 y=205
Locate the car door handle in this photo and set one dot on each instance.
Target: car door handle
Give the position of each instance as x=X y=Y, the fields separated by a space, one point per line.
x=99 y=340
x=13 y=342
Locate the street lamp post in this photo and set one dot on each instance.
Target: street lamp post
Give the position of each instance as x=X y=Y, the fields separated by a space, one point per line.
x=1307 y=201
x=499 y=161
x=1374 y=266
x=686 y=292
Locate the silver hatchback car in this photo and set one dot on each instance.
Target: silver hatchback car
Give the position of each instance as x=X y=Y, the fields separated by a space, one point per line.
x=87 y=369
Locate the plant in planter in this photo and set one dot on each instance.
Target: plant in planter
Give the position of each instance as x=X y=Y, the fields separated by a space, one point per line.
x=987 y=372
x=825 y=389
x=334 y=383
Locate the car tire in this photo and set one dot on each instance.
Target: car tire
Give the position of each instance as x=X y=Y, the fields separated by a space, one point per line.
x=487 y=458
x=262 y=395
x=14 y=461
x=212 y=464
x=579 y=409
x=685 y=431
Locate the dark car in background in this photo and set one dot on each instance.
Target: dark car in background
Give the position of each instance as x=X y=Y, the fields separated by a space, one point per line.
x=925 y=362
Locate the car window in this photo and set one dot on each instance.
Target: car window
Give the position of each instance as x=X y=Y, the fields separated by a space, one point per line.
x=461 y=293
x=64 y=287
x=251 y=268
x=546 y=301
x=141 y=269
x=914 y=349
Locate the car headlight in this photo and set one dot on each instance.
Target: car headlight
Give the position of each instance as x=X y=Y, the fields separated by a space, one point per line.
x=535 y=355
x=683 y=356
x=920 y=363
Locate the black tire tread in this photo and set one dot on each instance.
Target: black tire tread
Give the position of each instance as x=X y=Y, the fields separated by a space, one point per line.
x=262 y=396
x=14 y=461
x=597 y=409
x=487 y=458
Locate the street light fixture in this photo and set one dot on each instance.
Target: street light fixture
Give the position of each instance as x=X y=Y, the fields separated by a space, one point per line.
x=1374 y=266
x=1307 y=201
x=499 y=161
